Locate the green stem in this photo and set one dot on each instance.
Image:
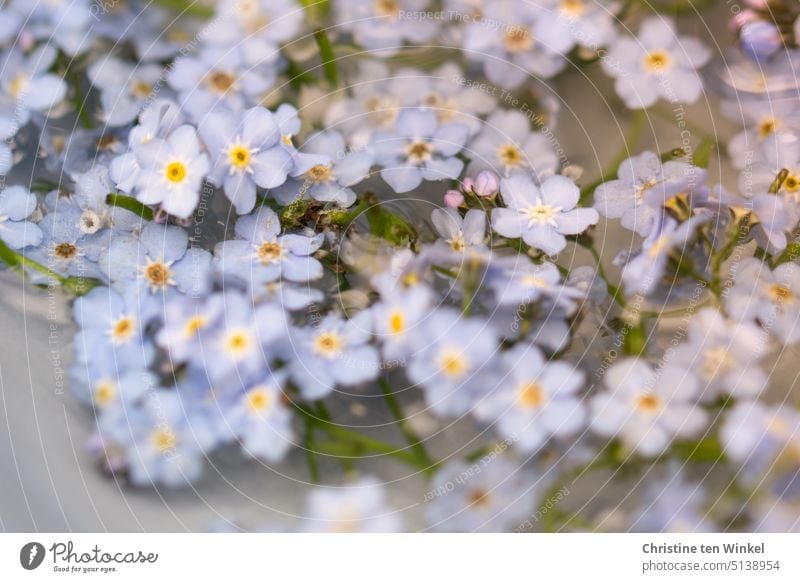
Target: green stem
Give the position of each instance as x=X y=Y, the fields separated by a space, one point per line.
x=635 y=130
x=328 y=57
x=366 y=442
x=410 y=435
x=613 y=290
x=311 y=452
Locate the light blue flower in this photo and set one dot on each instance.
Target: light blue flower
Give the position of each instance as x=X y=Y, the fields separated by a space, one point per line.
x=459 y=234
x=657 y=64
x=290 y=296
x=164 y=442
x=157 y=261
x=16 y=205
x=65 y=246
x=506 y=145
x=261 y=255
x=764 y=441
x=185 y=321
x=103 y=386
x=27 y=86
x=243 y=340
x=329 y=181
x=495 y=494
x=419 y=149
x=124 y=87
x=560 y=26
x=761 y=118
x=648 y=409
x=452 y=360
x=534 y=400
x=541 y=215
x=644 y=184
x=643 y=272
x=357 y=507
x=770 y=297
x=171 y=172
x=112 y=328
x=275 y=21
x=247 y=151
x=382 y=27
x=518 y=280
x=262 y=421
x=398 y=320
x=672 y=504
x=724 y=354
x=504 y=40
x=235 y=77
x=333 y=352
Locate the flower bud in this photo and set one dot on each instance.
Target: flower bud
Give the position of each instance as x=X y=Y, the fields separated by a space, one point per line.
x=453 y=199
x=486 y=184
x=760 y=40
x=467 y=185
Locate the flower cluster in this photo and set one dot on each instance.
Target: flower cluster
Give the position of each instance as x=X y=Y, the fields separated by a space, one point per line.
x=305 y=214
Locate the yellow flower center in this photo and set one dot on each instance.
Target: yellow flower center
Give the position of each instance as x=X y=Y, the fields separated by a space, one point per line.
x=158 y=274
x=239 y=157
x=517 y=39
x=648 y=402
x=457 y=244
x=269 y=252
x=531 y=395
x=480 y=498
x=386 y=7
x=541 y=213
x=779 y=293
x=328 y=344
x=452 y=363
x=510 y=155
x=418 y=152
x=141 y=89
x=238 y=343
x=656 y=61
x=175 y=172
x=258 y=399
x=65 y=250
x=220 y=81
x=163 y=440
x=319 y=173
x=715 y=361
x=104 y=392
x=397 y=322
x=572 y=8
x=767 y=127
x=195 y=324
x=123 y=329
x=18 y=85
x=791 y=184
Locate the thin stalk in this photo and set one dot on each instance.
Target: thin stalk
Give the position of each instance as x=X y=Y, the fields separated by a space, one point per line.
x=410 y=435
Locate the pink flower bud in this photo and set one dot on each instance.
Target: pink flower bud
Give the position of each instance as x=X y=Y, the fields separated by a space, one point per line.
x=744 y=17
x=467 y=185
x=453 y=199
x=486 y=184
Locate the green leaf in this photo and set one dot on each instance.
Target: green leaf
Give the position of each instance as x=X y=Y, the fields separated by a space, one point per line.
x=707 y=450
x=131 y=204
x=702 y=155
x=187 y=7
